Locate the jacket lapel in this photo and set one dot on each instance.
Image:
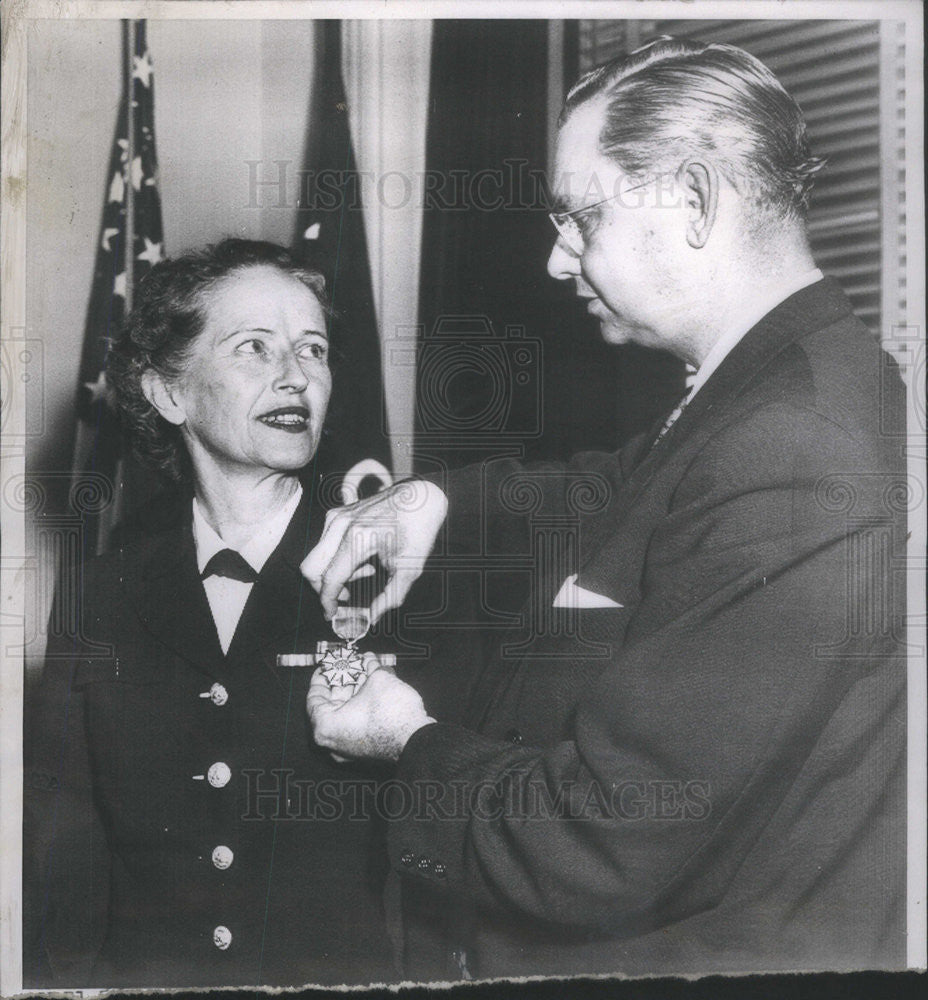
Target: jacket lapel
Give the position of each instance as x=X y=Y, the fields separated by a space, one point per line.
x=804 y=312
x=283 y=613
x=165 y=589
x=611 y=557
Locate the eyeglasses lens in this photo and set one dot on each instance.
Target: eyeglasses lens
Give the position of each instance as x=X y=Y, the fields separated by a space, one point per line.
x=570 y=233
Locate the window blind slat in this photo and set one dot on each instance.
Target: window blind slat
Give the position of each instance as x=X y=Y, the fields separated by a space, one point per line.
x=851 y=68
x=845 y=129
x=823 y=113
x=770 y=36
x=828 y=91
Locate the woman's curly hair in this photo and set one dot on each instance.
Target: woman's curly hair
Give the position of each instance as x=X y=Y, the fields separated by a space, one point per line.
x=168 y=315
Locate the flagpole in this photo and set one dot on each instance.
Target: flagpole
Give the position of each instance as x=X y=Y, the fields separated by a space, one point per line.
x=129 y=244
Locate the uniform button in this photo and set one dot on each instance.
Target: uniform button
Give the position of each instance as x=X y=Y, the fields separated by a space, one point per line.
x=219 y=774
x=217 y=694
x=222 y=937
x=408 y=859
x=222 y=857
x=439 y=869
x=425 y=864
x=514 y=736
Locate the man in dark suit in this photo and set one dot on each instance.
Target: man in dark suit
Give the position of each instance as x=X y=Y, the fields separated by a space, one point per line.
x=698 y=765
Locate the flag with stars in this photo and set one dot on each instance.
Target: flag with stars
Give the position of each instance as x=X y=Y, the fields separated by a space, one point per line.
x=130 y=244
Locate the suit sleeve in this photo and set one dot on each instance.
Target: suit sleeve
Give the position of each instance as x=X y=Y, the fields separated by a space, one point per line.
x=734 y=663
x=66 y=862
x=490 y=502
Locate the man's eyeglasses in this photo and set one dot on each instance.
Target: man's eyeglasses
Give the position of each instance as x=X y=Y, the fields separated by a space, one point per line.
x=569 y=228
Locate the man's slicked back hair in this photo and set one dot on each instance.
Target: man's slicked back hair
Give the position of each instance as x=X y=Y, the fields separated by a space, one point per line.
x=673 y=99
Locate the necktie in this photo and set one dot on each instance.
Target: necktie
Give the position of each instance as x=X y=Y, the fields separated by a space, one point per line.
x=228 y=562
x=674 y=415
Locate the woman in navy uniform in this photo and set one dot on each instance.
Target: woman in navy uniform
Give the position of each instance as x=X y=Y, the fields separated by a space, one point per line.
x=183 y=827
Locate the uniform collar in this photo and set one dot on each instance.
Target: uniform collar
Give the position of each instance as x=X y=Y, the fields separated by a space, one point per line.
x=257 y=550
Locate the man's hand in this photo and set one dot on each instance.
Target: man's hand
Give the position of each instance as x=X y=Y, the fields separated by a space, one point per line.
x=375 y=723
x=398 y=525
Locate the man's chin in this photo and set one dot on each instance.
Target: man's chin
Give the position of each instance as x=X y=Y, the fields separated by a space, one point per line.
x=614 y=331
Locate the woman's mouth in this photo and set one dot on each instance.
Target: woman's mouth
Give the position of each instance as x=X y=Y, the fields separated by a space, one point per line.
x=293 y=419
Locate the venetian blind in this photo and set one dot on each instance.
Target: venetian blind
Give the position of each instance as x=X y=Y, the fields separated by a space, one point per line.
x=833 y=70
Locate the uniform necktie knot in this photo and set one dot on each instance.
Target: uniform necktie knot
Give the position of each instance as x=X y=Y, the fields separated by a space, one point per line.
x=232 y=564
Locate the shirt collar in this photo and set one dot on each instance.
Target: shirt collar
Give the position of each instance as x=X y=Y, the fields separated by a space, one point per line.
x=754 y=311
x=257 y=550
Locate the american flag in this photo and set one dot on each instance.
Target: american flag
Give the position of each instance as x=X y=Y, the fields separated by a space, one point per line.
x=131 y=242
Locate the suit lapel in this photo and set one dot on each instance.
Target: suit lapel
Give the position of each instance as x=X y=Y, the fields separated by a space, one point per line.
x=610 y=556
x=804 y=312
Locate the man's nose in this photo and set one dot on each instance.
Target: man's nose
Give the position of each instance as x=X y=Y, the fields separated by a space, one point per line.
x=563 y=263
x=289 y=374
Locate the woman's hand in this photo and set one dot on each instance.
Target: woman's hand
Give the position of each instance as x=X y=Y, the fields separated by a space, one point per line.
x=398 y=525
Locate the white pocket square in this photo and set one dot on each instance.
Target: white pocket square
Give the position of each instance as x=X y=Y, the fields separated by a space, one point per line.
x=572 y=596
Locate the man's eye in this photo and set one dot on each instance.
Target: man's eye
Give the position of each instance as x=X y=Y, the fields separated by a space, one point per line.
x=585 y=222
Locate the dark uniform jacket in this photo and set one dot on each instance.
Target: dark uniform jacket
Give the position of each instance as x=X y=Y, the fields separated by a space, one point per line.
x=182 y=827
x=705 y=772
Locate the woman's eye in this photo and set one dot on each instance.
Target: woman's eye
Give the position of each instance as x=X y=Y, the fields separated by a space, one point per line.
x=250 y=347
x=317 y=350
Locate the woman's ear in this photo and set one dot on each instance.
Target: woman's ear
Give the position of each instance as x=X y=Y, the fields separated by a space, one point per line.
x=162 y=397
x=701 y=191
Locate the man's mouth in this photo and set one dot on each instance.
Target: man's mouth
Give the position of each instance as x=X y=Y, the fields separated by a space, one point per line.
x=586 y=294
x=288 y=418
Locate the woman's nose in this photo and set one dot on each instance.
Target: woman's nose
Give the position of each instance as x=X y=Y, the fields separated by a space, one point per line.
x=563 y=263
x=290 y=374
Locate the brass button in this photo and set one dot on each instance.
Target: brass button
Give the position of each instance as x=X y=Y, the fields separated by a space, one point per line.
x=217 y=694
x=222 y=857
x=222 y=937
x=219 y=774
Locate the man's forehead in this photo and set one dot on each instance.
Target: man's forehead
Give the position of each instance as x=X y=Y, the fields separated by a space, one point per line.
x=580 y=168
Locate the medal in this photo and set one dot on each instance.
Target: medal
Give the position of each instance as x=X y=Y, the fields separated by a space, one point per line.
x=340 y=664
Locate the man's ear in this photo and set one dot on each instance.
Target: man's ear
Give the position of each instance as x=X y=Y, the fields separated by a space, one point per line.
x=162 y=397
x=701 y=194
